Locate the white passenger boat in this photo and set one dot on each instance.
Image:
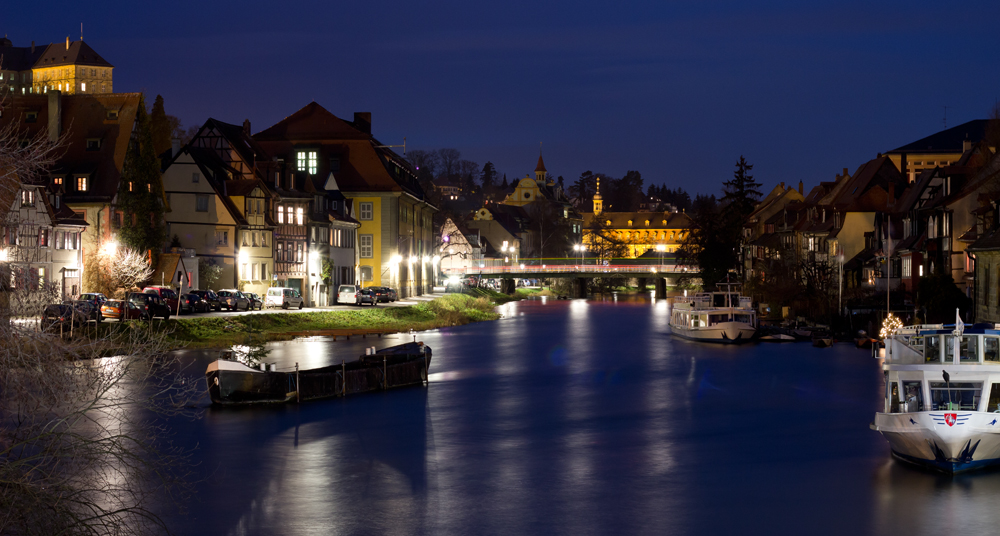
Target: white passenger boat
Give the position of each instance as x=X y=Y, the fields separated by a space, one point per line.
x=722 y=316
x=942 y=396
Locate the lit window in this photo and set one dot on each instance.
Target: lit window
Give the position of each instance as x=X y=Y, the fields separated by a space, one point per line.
x=306 y=161
x=298 y=215
x=281 y=214
x=81 y=184
x=83 y=86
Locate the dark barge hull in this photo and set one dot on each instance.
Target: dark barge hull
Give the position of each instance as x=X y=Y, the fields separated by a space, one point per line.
x=397 y=366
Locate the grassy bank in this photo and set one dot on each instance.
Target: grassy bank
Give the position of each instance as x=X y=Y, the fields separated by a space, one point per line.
x=450 y=310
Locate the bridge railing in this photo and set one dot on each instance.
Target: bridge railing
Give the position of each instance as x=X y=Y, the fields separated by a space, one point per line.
x=527 y=268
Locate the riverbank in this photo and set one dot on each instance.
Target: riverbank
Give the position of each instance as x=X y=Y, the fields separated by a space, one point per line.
x=449 y=310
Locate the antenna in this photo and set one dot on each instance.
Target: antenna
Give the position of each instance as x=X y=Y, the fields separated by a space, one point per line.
x=945 y=116
x=81 y=31
x=393 y=146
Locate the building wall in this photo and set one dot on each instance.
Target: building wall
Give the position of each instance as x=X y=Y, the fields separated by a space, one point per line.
x=851 y=237
x=375 y=227
x=72 y=79
x=987 y=305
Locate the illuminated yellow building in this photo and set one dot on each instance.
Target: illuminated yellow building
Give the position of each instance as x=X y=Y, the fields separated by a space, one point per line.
x=638 y=231
x=72 y=68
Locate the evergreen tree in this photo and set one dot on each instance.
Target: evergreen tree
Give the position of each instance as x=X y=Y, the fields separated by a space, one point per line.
x=159 y=124
x=504 y=185
x=140 y=193
x=740 y=199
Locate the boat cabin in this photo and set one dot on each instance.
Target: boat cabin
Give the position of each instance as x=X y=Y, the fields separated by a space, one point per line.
x=915 y=362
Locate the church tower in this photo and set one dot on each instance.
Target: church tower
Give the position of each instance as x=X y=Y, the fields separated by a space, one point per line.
x=598 y=200
x=540 y=170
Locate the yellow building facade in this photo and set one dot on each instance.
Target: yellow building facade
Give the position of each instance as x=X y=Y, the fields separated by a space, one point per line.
x=72 y=67
x=639 y=232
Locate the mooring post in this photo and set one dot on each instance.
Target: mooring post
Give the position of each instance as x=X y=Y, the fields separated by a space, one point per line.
x=343 y=379
x=298 y=388
x=385 y=378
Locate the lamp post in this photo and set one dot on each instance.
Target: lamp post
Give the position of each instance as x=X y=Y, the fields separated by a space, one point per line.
x=661 y=248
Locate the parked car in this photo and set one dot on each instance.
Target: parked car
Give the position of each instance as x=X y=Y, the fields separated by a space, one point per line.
x=233 y=300
x=151 y=303
x=166 y=294
x=94 y=298
x=193 y=303
x=393 y=296
x=385 y=294
x=347 y=294
x=284 y=297
x=87 y=309
x=210 y=298
x=255 y=301
x=62 y=315
x=123 y=310
x=367 y=295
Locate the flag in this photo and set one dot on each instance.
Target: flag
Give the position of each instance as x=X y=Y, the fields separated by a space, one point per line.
x=959 y=326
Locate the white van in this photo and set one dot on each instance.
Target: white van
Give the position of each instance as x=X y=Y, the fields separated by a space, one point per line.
x=283 y=297
x=347 y=294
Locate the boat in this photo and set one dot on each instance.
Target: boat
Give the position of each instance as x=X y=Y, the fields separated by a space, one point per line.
x=232 y=382
x=942 y=396
x=723 y=316
x=822 y=339
x=777 y=337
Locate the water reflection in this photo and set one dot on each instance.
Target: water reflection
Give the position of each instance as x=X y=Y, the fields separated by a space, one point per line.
x=577 y=417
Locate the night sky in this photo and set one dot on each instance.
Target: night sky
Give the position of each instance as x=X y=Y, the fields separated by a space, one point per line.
x=676 y=90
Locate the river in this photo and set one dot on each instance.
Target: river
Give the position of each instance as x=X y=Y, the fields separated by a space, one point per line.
x=575 y=417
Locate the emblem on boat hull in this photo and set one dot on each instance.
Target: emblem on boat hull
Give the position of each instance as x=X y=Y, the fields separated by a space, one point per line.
x=949 y=419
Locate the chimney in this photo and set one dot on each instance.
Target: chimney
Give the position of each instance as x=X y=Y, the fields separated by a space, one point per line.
x=782 y=186
x=363 y=122
x=67 y=42
x=55 y=115
x=966 y=145
x=175 y=147
x=32 y=47
x=246 y=127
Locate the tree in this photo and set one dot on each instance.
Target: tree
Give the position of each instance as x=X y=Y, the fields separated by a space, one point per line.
x=160 y=127
x=208 y=272
x=624 y=194
x=488 y=179
x=582 y=191
x=550 y=230
x=741 y=193
x=82 y=446
x=140 y=192
x=448 y=161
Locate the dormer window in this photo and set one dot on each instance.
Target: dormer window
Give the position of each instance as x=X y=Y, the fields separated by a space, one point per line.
x=647 y=223
x=27 y=198
x=57 y=181
x=112 y=115
x=306 y=161
x=93 y=144
x=30 y=117
x=630 y=223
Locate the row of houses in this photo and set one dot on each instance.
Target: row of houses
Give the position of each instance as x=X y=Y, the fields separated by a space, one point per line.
x=311 y=202
x=925 y=208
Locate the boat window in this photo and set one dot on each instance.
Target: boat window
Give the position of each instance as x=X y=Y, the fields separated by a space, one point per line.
x=949 y=348
x=719 y=300
x=743 y=318
x=913 y=397
x=962 y=395
x=894 y=397
x=994 y=405
x=968 y=352
x=717 y=319
x=991 y=348
x=932 y=349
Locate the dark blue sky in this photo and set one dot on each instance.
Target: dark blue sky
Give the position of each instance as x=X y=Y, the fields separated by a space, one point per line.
x=676 y=90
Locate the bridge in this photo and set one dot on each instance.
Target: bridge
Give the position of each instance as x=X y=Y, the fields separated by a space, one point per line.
x=657 y=269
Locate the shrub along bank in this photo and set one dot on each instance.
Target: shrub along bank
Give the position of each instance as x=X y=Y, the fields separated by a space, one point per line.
x=450 y=310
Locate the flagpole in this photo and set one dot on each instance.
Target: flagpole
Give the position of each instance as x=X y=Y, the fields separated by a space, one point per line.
x=888 y=263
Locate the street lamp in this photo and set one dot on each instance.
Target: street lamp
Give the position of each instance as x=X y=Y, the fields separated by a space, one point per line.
x=661 y=248
x=110 y=248
x=581 y=248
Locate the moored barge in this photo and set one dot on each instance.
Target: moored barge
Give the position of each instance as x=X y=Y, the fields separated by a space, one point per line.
x=232 y=382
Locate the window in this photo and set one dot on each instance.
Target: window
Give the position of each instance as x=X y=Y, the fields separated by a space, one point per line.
x=196 y=177
x=298 y=215
x=81 y=184
x=253 y=271
x=991 y=349
x=913 y=397
x=246 y=238
x=57 y=181
x=43 y=238
x=112 y=114
x=306 y=161
x=932 y=349
x=291 y=216
x=93 y=144
x=31 y=117
x=253 y=239
x=263 y=239
x=222 y=238
x=280 y=252
x=365 y=210
x=281 y=214
x=366 y=273
x=960 y=396
x=60 y=240
x=201 y=202
x=27 y=198
x=365 y=243
x=263 y=271
x=298 y=252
